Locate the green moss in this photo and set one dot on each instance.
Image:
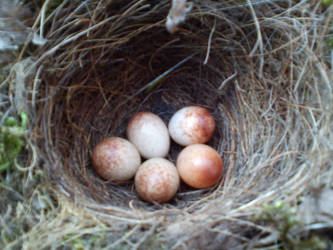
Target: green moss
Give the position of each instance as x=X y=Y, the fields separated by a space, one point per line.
x=292 y=233
x=96 y=240
x=330 y=43
x=327 y=3
x=153 y=242
x=11 y=140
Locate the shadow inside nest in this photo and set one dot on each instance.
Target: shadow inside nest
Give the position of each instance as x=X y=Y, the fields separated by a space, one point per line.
x=97 y=100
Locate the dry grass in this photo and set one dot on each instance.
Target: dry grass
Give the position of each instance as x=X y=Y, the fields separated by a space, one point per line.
x=260 y=67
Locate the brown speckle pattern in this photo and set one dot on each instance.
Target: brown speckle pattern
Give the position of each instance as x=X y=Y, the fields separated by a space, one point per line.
x=157 y=180
x=115 y=159
x=199 y=124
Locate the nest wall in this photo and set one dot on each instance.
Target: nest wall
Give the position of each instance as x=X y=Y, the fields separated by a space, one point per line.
x=244 y=63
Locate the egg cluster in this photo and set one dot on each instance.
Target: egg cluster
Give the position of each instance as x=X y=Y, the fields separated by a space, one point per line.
x=157 y=179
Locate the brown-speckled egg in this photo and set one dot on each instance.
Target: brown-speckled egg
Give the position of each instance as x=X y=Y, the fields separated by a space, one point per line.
x=199 y=166
x=157 y=180
x=116 y=159
x=149 y=134
x=191 y=125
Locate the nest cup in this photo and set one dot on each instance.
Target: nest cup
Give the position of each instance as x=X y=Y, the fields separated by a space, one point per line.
x=103 y=105
x=96 y=75
x=107 y=84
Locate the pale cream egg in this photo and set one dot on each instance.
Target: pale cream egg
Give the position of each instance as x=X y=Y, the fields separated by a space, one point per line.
x=149 y=134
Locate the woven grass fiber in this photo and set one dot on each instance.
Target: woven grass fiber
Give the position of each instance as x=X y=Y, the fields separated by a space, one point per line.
x=260 y=67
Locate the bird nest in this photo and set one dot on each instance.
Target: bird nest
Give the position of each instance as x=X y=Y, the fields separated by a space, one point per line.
x=106 y=60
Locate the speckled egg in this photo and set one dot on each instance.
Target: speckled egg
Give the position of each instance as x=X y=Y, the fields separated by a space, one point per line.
x=157 y=180
x=116 y=159
x=191 y=125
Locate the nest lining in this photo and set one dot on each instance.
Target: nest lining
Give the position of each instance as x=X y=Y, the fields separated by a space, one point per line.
x=100 y=103
x=92 y=86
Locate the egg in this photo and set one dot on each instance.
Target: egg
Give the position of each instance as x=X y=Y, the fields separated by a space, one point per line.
x=191 y=125
x=157 y=180
x=149 y=134
x=199 y=166
x=116 y=159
